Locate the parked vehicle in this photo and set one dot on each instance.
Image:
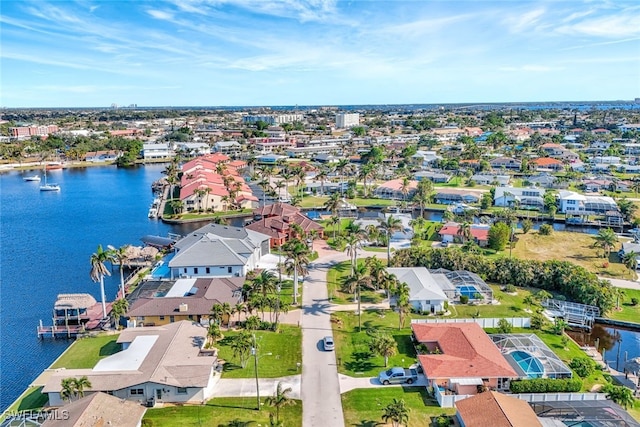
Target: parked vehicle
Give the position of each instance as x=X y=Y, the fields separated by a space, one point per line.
x=398 y=375
x=327 y=342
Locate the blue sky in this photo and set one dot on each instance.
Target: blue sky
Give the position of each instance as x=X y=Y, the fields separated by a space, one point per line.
x=316 y=52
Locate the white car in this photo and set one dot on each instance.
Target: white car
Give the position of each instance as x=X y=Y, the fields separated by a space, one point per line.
x=327 y=342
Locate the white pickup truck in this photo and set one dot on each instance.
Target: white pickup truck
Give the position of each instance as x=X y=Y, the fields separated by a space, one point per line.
x=398 y=376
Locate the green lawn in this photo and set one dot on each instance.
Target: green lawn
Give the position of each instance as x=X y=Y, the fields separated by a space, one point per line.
x=364 y=407
x=627 y=312
x=352 y=347
x=86 y=352
x=31 y=399
x=285 y=347
x=318 y=202
x=509 y=306
x=221 y=412
x=335 y=279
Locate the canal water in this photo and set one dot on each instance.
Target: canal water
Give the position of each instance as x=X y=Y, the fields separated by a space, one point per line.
x=619 y=344
x=46 y=241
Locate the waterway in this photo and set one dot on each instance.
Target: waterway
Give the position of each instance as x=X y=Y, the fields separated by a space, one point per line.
x=46 y=241
x=619 y=344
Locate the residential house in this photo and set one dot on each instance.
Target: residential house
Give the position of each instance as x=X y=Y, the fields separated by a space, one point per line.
x=157 y=364
x=103 y=156
x=425 y=158
x=547 y=164
x=449 y=196
x=433 y=176
x=450 y=233
x=194 y=148
x=596 y=185
x=496 y=180
x=187 y=299
x=543 y=180
x=276 y=221
x=157 y=151
x=508 y=163
x=218 y=251
x=395 y=190
x=458 y=357
x=572 y=203
x=524 y=197
x=629 y=247
x=425 y=295
x=496 y=410
x=228 y=148
x=96 y=410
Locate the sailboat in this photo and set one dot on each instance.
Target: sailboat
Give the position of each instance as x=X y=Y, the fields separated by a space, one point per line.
x=47 y=186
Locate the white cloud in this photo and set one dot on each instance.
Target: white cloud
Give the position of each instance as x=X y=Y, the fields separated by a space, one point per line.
x=160 y=14
x=531 y=68
x=626 y=24
x=518 y=23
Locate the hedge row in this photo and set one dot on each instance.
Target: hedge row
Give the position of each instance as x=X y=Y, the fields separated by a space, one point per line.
x=546 y=385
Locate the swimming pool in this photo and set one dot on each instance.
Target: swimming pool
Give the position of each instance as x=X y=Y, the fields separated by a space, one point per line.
x=468 y=290
x=162 y=271
x=529 y=364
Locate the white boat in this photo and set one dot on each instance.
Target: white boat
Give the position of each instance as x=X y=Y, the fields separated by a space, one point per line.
x=32 y=178
x=48 y=187
x=153 y=212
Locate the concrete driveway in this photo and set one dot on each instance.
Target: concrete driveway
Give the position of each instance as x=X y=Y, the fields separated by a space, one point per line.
x=246 y=387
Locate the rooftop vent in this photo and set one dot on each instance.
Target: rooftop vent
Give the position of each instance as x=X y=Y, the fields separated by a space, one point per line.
x=183 y=307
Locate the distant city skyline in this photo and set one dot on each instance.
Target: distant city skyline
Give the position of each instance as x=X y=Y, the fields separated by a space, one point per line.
x=316 y=52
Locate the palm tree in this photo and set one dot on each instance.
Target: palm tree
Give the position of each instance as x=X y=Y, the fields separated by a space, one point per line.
x=529 y=300
x=120 y=255
x=80 y=384
x=297 y=253
x=263 y=282
x=340 y=167
x=334 y=221
x=464 y=231
x=630 y=260
x=402 y=303
x=226 y=310
x=98 y=271
x=396 y=412
x=405 y=186
x=280 y=399
x=216 y=313
x=621 y=395
x=354 y=242
x=68 y=388
x=333 y=203
x=385 y=346
x=322 y=175
x=388 y=226
x=119 y=309
x=213 y=334
x=606 y=239
x=241 y=346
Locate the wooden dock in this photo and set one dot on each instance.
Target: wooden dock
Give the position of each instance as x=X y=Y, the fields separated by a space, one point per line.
x=91 y=321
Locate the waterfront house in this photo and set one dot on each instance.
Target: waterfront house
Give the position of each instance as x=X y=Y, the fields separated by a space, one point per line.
x=161 y=150
x=186 y=299
x=496 y=410
x=218 y=251
x=103 y=156
x=394 y=190
x=277 y=220
x=425 y=295
x=449 y=196
x=579 y=204
x=96 y=410
x=228 y=148
x=526 y=197
x=164 y=364
x=450 y=233
x=457 y=358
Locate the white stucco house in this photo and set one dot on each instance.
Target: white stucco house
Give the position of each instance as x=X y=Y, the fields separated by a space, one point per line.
x=425 y=294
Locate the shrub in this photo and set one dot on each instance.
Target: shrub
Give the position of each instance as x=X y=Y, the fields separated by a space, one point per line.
x=583 y=366
x=545 y=230
x=504 y=326
x=510 y=289
x=546 y=385
x=442 y=421
x=634 y=301
x=537 y=321
x=464 y=299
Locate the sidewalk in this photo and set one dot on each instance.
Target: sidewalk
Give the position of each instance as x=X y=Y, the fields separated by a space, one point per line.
x=622 y=283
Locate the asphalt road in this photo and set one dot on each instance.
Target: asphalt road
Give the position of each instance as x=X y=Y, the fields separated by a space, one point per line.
x=320 y=386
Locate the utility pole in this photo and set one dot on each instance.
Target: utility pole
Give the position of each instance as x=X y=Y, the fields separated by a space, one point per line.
x=254 y=351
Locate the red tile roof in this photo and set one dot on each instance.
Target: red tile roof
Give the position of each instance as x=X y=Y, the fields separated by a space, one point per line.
x=453 y=228
x=497 y=410
x=546 y=161
x=466 y=351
